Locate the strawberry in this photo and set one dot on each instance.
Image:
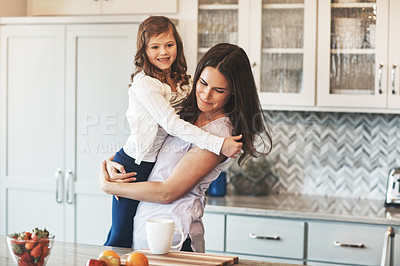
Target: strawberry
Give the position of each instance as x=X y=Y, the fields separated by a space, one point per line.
x=25 y=258
x=30 y=245
x=17 y=248
x=45 y=251
x=38 y=233
x=36 y=252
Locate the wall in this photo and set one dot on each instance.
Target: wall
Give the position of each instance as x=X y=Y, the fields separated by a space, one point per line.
x=13 y=8
x=326 y=154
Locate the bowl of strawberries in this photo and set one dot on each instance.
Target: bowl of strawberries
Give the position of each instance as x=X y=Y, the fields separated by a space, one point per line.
x=30 y=248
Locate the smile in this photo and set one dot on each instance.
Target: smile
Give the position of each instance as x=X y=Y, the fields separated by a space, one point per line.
x=203 y=102
x=163 y=59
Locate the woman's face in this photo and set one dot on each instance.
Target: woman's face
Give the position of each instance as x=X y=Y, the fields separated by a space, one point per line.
x=212 y=91
x=162 y=50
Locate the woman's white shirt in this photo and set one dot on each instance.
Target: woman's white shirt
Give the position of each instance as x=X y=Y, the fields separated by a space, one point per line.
x=188 y=210
x=151 y=118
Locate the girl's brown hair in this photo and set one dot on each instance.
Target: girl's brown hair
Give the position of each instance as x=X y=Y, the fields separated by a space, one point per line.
x=154 y=26
x=243 y=108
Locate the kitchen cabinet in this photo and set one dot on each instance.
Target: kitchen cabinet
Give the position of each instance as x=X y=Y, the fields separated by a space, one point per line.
x=358 y=54
x=345 y=243
x=214 y=232
x=298 y=241
x=279 y=37
x=260 y=238
x=356 y=64
x=100 y=7
x=265 y=236
x=63 y=101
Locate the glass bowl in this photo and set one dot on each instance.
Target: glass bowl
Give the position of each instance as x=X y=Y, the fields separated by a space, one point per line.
x=30 y=252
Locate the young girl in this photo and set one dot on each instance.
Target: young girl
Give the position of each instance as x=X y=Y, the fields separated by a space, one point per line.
x=158 y=88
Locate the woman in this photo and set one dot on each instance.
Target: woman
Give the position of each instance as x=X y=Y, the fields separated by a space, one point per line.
x=223 y=101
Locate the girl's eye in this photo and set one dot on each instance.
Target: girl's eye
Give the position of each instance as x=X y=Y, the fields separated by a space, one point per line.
x=153 y=47
x=219 y=90
x=170 y=45
x=203 y=82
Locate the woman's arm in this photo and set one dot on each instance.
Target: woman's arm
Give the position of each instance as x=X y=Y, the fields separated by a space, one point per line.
x=190 y=170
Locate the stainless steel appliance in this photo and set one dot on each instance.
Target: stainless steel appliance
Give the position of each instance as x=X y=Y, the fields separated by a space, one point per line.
x=393 y=188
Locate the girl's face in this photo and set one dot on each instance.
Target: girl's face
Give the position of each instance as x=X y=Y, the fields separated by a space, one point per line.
x=212 y=91
x=162 y=50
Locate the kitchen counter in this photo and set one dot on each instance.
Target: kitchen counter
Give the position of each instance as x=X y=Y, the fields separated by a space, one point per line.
x=71 y=254
x=307 y=207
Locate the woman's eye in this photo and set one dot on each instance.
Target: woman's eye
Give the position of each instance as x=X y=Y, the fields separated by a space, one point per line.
x=219 y=91
x=203 y=82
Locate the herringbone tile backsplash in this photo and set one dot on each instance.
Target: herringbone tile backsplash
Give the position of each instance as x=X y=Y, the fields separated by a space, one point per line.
x=326 y=154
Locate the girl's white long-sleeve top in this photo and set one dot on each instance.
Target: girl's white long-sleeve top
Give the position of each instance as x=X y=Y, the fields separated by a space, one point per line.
x=151 y=118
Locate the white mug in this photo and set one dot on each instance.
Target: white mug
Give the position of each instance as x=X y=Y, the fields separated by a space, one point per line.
x=159 y=235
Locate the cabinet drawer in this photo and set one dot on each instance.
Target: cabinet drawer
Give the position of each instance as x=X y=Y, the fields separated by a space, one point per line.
x=214 y=231
x=323 y=236
x=276 y=237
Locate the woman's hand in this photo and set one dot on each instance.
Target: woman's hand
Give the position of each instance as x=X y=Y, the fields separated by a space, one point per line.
x=116 y=173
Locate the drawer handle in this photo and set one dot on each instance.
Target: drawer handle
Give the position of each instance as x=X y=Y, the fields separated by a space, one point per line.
x=338 y=244
x=254 y=236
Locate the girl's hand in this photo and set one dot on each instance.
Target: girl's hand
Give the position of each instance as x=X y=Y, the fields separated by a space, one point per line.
x=116 y=173
x=231 y=147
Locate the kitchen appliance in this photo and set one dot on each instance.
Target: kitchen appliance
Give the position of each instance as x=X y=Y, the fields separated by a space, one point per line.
x=393 y=188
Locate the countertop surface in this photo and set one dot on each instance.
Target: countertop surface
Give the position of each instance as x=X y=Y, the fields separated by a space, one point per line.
x=307 y=207
x=71 y=254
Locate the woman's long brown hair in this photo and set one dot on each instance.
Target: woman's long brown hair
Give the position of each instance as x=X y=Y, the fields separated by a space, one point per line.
x=153 y=26
x=243 y=108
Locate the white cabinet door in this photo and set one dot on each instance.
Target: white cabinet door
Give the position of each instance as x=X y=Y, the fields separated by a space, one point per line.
x=283 y=51
x=99 y=65
x=64 y=7
x=353 y=53
x=394 y=57
x=32 y=128
x=279 y=38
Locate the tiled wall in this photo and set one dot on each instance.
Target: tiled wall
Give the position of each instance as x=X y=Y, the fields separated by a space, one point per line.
x=326 y=154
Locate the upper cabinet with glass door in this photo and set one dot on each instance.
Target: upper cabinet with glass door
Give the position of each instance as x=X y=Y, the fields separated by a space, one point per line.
x=217 y=23
x=285 y=55
x=353 y=63
x=279 y=37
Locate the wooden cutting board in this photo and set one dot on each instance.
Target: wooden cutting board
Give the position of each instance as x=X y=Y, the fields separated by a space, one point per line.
x=184 y=258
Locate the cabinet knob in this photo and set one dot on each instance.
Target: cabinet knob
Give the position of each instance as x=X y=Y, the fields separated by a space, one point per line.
x=339 y=244
x=69 y=190
x=393 y=78
x=380 y=70
x=254 y=236
x=58 y=177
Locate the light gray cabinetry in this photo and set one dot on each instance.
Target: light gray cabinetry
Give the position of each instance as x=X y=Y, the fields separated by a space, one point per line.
x=345 y=243
x=298 y=241
x=265 y=236
x=214 y=232
x=257 y=238
x=63 y=102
